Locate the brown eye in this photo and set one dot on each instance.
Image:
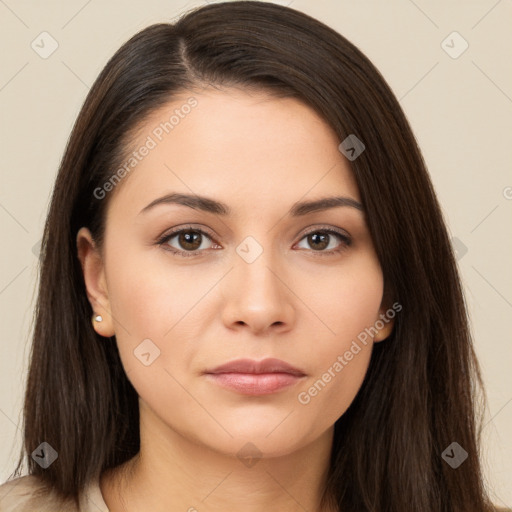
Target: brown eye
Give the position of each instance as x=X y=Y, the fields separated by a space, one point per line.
x=322 y=241
x=186 y=242
x=318 y=241
x=189 y=240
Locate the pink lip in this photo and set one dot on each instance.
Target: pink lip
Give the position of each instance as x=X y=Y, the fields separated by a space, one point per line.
x=251 y=377
x=269 y=365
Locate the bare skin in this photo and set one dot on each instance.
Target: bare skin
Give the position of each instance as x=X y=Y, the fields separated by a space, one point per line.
x=299 y=300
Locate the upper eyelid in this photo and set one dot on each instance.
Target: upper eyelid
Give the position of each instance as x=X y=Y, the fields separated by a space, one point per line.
x=178 y=230
x=314 y=227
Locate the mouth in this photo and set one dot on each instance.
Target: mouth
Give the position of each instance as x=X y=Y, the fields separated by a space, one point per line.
x=251 y=377
x=254 y=383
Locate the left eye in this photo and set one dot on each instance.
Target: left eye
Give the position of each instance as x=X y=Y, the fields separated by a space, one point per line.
x=323 y=239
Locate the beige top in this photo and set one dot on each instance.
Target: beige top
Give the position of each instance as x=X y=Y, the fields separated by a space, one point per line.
x=17 y=495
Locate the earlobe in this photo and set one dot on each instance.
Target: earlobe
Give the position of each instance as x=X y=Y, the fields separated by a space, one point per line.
x=384 y=325
x=95 y=282
x=384 y=333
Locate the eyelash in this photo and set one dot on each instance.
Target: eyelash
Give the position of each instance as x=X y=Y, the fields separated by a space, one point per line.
x=346 y=241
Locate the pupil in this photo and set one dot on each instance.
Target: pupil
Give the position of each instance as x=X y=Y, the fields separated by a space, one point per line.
x=316 y=237
x=186 y=239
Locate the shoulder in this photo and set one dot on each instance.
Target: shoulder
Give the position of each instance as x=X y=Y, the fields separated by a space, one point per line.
x=29 y=494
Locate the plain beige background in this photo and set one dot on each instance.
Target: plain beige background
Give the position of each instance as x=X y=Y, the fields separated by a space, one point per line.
x=459 y=106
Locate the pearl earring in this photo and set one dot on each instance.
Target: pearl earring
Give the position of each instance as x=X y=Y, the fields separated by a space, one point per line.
x=97 y=318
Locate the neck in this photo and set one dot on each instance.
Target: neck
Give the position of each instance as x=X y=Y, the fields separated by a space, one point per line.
x=172 y=473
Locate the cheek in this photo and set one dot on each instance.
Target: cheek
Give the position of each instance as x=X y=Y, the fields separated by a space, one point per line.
x=341 y=352
x=148 y=315
x=339 y=370
x=158 y=310
x=331 y=390
x=343 y=301
x=148 y=294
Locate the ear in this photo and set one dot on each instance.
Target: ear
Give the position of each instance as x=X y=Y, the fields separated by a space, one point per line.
x=95 y=282
x=384 y=323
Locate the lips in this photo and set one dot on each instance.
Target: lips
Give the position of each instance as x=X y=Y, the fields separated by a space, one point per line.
x=269 y=365
x=251 y=377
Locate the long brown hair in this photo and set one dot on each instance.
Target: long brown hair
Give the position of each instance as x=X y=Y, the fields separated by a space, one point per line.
x=423 y=387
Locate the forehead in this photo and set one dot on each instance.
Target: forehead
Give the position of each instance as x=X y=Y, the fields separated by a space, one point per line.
x=238 y=146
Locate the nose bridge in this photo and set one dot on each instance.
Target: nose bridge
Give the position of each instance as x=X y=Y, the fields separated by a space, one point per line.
x=256 y=293
x=256 y=270
x=256 y=267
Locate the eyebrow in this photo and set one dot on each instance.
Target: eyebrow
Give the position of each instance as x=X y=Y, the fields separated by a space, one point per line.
x=218 y=208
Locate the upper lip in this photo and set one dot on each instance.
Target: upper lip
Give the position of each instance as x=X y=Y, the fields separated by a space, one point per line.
x=269 y=365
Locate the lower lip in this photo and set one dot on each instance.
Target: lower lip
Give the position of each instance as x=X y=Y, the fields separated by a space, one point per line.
x=255 y=383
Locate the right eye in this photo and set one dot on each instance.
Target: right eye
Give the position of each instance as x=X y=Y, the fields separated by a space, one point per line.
x=189 y=240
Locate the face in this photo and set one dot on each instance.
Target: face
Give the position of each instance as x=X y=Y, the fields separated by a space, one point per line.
x=246 y=272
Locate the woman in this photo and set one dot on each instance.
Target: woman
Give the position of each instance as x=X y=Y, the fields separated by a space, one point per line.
x=200 y=345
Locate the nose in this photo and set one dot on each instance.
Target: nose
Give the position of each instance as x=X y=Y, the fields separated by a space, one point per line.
x=258 y=298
